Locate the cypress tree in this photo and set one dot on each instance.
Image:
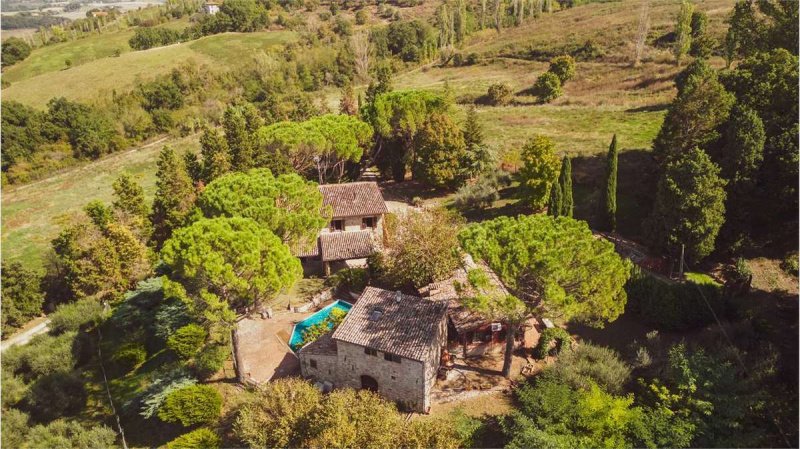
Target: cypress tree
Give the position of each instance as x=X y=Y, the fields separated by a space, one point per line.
x=556 y=204
x=565 y=182
x=609 y=204
x=174 y=196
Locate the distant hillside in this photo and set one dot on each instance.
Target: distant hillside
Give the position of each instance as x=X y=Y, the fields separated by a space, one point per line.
x=84 y=82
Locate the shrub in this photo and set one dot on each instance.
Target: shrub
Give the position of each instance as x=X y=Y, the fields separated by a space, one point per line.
x=210 y=360
x=155 y=394
x=275 y=415
x=478 y=195
x=790 y=263
x=472 y=59
x=187 y=341
x=587 y=364
x=128 y=357
x=499 y=94
x=549 y=335
x=352 y=279
x=63 y=433
x=12 y=388
x=43 y=355
x=73 y=316
x=192 y=405
x=202 y=438
x=741 y=271
x=563 y=67
x=547 y=87
x=362 y=16
x=56 y=395
x=162 y=119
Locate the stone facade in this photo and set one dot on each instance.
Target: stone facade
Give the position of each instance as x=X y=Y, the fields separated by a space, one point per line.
x=401 y=371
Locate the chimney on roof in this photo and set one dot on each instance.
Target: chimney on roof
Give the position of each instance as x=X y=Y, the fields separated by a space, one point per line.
x=398 y=296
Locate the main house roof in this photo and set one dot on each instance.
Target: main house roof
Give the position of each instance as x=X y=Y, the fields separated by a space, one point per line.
x=392 y=322
x=353 y=199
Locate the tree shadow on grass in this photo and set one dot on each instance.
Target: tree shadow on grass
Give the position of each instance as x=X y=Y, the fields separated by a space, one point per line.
x=637 y=176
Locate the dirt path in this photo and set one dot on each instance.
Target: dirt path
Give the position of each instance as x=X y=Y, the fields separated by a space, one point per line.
x=26 y=335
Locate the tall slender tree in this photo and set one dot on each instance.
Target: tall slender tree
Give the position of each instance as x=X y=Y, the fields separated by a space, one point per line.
x=609 y=204
x=683 y=31
x=565 y=182
x=174 y=197
x=555 y=206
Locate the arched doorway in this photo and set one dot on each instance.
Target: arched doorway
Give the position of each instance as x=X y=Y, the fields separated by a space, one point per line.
x=369 y=383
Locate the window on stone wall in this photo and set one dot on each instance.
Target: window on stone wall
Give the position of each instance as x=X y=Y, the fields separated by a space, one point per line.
x=368 y=223
x=313 y=363
x=370 y=351
x=391 y=357
x=337 y=225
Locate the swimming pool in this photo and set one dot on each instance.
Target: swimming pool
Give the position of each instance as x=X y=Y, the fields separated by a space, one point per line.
x=318 y=317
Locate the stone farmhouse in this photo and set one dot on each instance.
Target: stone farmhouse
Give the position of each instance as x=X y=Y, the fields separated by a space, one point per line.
x=389 y=343
x=355 y=229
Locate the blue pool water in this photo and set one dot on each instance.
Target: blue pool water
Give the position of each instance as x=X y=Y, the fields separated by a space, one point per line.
x=318 y=317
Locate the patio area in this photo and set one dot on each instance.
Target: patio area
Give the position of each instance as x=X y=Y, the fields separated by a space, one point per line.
x=262 y=347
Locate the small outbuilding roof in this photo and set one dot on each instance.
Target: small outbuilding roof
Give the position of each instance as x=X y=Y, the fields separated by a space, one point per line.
x=345 y=245
x=393 y=322
x=353 y=199
x=324 y=345
x=463 y=319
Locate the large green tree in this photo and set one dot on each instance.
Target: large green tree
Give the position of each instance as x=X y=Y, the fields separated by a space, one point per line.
x=241 y=123
x=440 y=153
x=22 y=296
x=321 y=145
x=397 y=117
x=287 y=205
x=539 y=171
x=174 y=196
x=555 y=264
x=130 y=207
x=694 y=117
x=683 y=31
x=236 y=259
x=552 y=266
x=689 y=206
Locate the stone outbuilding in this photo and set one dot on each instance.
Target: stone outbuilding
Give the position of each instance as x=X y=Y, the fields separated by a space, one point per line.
x=389 y=342
x=470 y=334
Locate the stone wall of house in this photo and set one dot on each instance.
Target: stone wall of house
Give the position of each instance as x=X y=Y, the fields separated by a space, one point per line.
x=327 y=367
x=354 y=224
x=432 y=364
x=403 y=382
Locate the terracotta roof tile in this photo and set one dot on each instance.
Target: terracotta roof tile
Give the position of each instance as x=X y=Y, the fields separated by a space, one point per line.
x=391 y=322
x=353 y=199
x=346 y=245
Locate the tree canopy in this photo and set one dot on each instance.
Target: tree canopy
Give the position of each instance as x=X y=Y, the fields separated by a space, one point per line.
x=322 y=144
x=556 y=264
x=287 y=205
x=234 y=258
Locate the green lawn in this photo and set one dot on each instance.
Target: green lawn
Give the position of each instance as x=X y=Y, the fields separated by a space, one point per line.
x=33 y=213
x=99 y=77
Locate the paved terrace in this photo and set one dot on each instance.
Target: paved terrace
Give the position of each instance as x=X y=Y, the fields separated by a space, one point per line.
x=262 y=345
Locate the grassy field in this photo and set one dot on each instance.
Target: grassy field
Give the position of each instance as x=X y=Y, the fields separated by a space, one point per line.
x=34 y=213
x=52 y=58
x=101 y=76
